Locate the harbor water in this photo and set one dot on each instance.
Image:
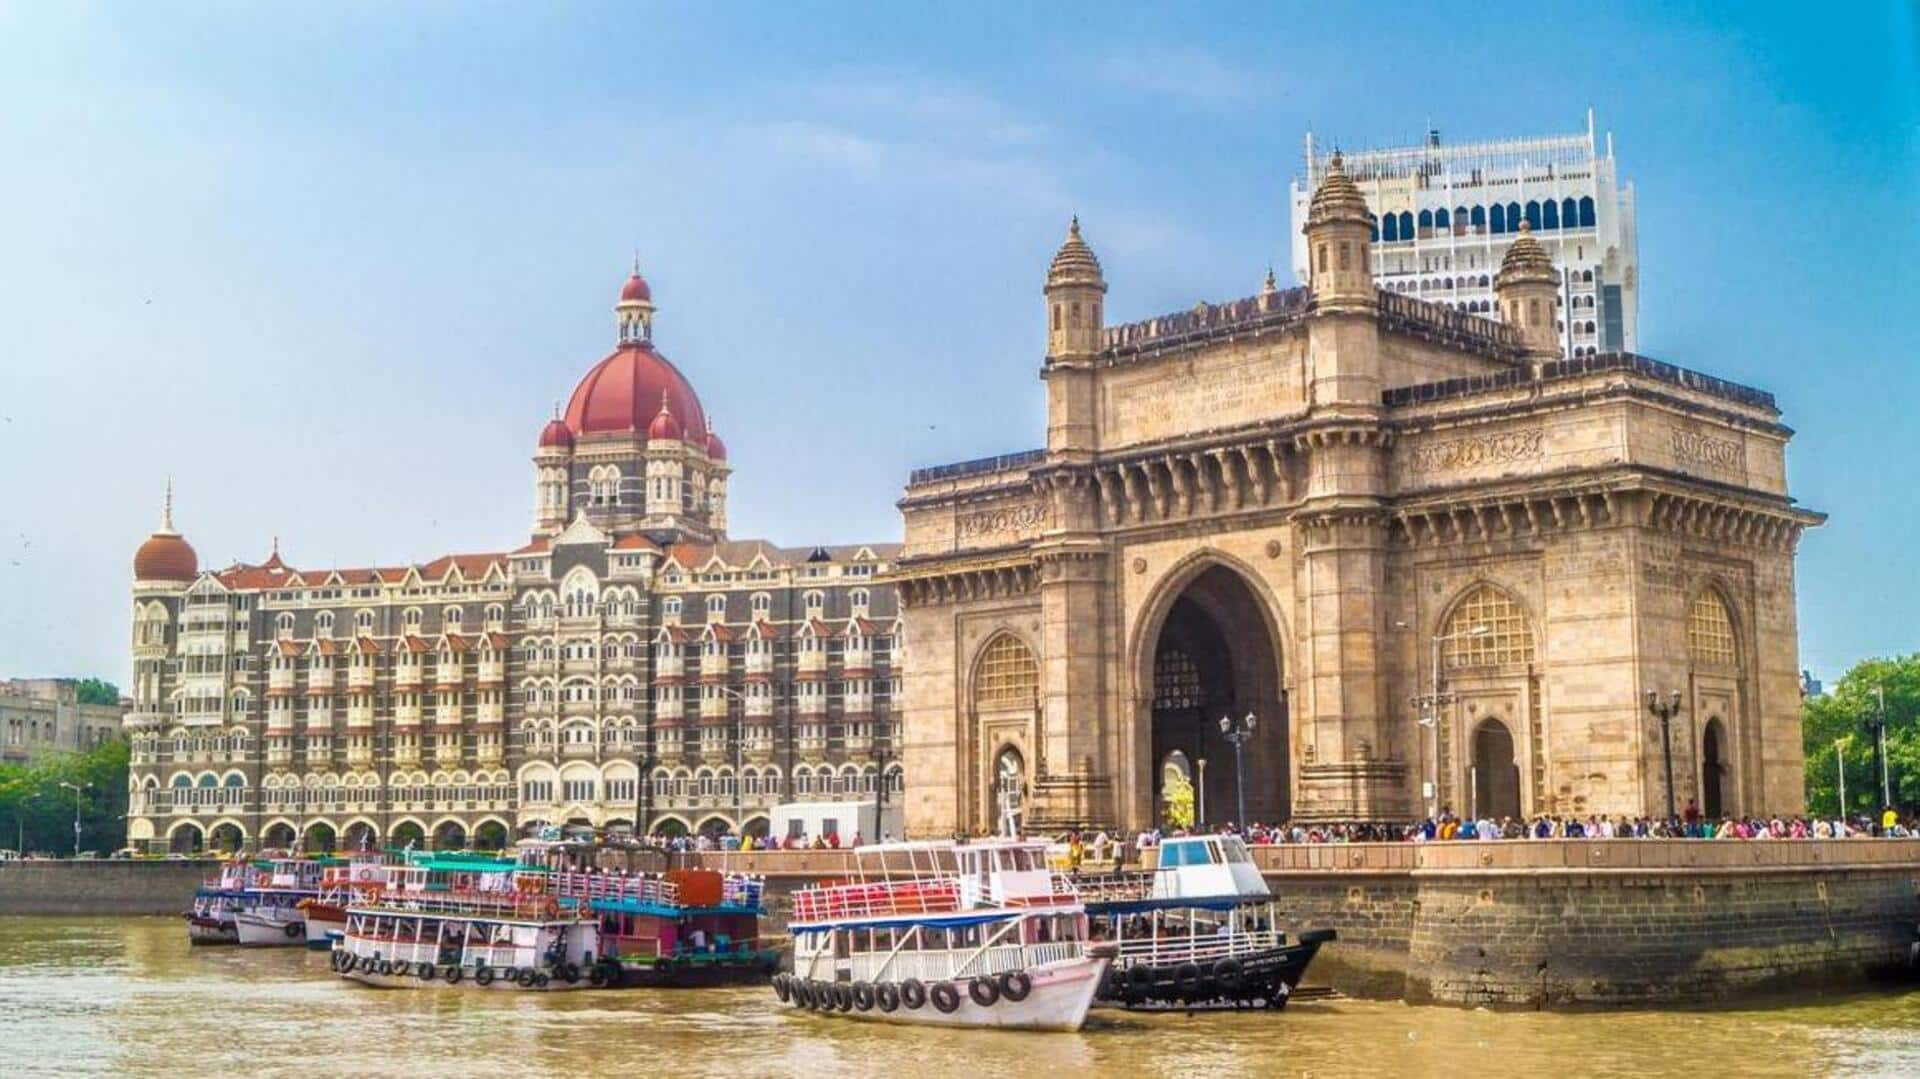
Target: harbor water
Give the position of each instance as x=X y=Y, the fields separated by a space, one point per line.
x=89 y=996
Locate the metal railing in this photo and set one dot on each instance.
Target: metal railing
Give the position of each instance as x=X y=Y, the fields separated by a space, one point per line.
x=921 y=896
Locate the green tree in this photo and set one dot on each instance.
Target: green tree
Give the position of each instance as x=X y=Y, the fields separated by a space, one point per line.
x=37 y=812
x=96 y=691
x=1843 y=714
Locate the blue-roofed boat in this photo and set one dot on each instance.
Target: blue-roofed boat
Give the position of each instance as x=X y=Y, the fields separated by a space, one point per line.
x=1200 y=930
x=685 y=928
x=944 y=934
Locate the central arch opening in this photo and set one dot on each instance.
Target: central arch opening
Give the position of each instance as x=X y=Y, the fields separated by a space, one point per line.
x=1713 y=767
x=1216 y=656
x=1496 y=778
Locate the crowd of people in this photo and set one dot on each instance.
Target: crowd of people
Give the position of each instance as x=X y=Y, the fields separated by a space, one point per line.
x=1691 y=824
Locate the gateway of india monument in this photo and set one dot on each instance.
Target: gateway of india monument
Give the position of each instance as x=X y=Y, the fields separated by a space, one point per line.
x=1430 y=560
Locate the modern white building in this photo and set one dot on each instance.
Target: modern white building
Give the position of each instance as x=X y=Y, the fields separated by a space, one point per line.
x=1445 y=215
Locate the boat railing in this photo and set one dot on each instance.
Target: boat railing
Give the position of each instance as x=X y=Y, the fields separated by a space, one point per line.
x=1161 y=951
x=1058 y=890
x=1115 y=887
x=587 y=887
x=743 y=891
x=938 y=895
x=483 y=904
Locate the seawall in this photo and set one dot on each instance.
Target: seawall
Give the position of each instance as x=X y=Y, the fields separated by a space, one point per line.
x=101 y=887
x=1567 y=923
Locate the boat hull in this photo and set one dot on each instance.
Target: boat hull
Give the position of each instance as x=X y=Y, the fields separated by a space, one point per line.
x=1266 y=979
x=324 y=919
x=392 y=975
x=270 y=929
x=700 y=975
x=204 y=930
x=1059 y=999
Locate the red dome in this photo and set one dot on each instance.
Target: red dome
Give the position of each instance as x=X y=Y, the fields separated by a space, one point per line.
x=624 y=392
x=716 y=449
x=556 y=433
x=665 y=426
x=636 y=288
x=165 y=557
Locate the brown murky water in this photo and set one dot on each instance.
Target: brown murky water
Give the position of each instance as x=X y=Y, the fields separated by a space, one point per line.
x=129 y=997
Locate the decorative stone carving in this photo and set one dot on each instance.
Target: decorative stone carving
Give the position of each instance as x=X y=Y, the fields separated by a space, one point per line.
x=1013 y=519
x=1476 y=450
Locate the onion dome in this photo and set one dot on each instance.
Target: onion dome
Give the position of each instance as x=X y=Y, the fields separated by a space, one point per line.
x=625 y=392
x=716 y=449
x=556 y=435
x=1337 y=199
x=665 y=426
x=636 y=290
x=1526 y=262
x=166 y=555
x=1075 y=262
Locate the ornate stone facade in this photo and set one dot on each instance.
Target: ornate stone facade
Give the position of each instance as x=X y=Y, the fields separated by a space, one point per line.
x=630 y=666
x=1342 y=510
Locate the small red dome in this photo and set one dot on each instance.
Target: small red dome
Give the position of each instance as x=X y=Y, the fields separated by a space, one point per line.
x=665 y=426
x=623 y=393
x=556 y=433
x=165 y=556
x=716 y=449
x=636 y=288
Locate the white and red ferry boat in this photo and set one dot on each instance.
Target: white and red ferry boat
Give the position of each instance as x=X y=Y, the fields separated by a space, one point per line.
x=976 y=935
x=270 y=915
x=211 y=918
x=470 y=920
x=340 y=887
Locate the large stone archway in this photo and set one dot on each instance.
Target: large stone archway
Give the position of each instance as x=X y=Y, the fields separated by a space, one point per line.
x=1214 y=653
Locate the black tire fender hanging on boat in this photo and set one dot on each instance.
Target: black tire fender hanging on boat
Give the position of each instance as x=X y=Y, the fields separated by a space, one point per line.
x=1186 y=977
x=524 y=977
x=1140 y=976
x=540 y=980
x=1015 y=985
x=1227 y=973
x=863 y=996
x=483 y=976
x=427 y=972
x=567 y=972
x=294 y=929
x=944 y=996
x=782 y=988
x=843 y=996
x=887 y=996
x=984 y=991
x=453 y=975
x=913 y=994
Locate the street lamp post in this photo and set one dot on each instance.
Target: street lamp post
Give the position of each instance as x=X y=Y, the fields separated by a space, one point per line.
x=881 y=754
x=77 y=789
x=1879 y=726
x=1200 y=793
x=1666 y=707
x=1840 y=769
x=1237 y=735
x=20 y=825
x=1430 y=703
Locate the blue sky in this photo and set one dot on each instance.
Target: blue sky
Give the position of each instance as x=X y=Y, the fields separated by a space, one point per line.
x=330 y=266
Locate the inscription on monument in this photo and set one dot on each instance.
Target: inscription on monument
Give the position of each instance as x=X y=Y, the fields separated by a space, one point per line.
x=1478 y=450
x=1016 y=518
x=1695 y=447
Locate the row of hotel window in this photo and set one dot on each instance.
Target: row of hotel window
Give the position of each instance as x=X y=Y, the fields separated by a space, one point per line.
x=722 y=783
x=1496 y=220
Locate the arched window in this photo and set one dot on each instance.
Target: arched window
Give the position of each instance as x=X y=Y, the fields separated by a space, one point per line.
x=1478 y=215
x=412 y=619
x=1007 y=675
x=1487 y=629
x=1406 y=225
x=1513 y=217
x=1550 y=215
x=1390 y=230
x=1374 y=223
x=452 y=617
x=1426 y=219
x=671 y=605
x=1499 y=218
x=717 y=604
x=283 y=625
x=1710 y=640
x=858 y=599
x=1586 y=211
x=1569 y=213
x=816 y=602
x=1533 y=215
x=762 y=605
x=323 y=624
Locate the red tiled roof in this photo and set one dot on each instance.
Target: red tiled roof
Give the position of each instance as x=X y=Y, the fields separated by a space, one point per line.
x=535 y=546
x=634 y=541
x=368 y=646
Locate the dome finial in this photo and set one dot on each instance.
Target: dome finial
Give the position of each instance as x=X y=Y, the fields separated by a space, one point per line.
x=666 y=408
x=166 y=508
x=1269 y=285
x=1075 y=263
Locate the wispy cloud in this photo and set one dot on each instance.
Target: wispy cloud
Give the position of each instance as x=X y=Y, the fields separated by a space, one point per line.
x=1183 y=73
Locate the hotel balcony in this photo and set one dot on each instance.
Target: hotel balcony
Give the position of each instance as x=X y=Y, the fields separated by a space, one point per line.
x=493 y=672
x=491 y=713
x=667 y=745
x=669 y=667
x=446 y=752
x=319 y=721
x=446 y=714
x=406 y=753
x=447 y=679
x=359 y=679
x=280 y=681
x=857 y=662
x=813 y=705
x=759 y=665
x=320 y=681
x=360 y=717
x=279 y=754
x=408 y=676
x=406 y=715
x=489 y=752
x=813 y=663
x=759 y=707
x=359 y=756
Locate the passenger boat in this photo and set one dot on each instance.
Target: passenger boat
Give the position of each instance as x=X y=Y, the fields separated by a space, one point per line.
x=469 y=920
x=980 y=935
x=686 y=928
x=340 y=885
x=1198 y=931
x=270 y=915
x=211 y=918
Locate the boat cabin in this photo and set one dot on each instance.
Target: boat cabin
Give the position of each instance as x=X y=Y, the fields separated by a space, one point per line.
x=1207 y=867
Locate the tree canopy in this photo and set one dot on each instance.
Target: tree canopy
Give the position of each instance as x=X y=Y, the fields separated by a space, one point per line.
x=37 y=812
x=1843 y=715
x=96 y=691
